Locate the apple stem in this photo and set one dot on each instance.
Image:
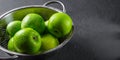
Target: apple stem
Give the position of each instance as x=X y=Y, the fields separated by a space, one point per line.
x=35 y=37
x=56 y=31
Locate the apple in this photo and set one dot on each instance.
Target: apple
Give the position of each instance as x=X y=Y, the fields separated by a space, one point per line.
x=34 y=21
x=49 y=42
x=46 y=28
x=13 y=27
x=27 y=41
x=46 y=23
x=60 y=24
x=11 y=45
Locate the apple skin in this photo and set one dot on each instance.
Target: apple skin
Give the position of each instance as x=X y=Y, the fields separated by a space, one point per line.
x=27 y=41
x=46 y=27
x=11 y=45
x=34 y=21
x=49 y=42
x=13 y=27
x=60 y=24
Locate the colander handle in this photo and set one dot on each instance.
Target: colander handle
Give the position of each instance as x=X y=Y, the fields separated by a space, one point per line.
x=54 y=1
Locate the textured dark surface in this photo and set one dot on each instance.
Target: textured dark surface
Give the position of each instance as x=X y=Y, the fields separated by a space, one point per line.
x=97 y=29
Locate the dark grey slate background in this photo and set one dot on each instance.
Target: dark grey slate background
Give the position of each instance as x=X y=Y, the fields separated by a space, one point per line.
x=97 y=28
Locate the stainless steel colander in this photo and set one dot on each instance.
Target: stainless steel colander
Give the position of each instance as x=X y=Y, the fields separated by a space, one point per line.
x=18 y=14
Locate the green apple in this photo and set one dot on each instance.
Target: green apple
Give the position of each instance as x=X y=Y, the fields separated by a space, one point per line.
x=49 y=42
x=27 y=41
x=46 y=27
x=60 y=24
x=13 y=27
x=11 y=45
x=46 y=23
x=34 y=21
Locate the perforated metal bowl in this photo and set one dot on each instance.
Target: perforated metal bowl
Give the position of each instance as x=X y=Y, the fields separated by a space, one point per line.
x=18 y=14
